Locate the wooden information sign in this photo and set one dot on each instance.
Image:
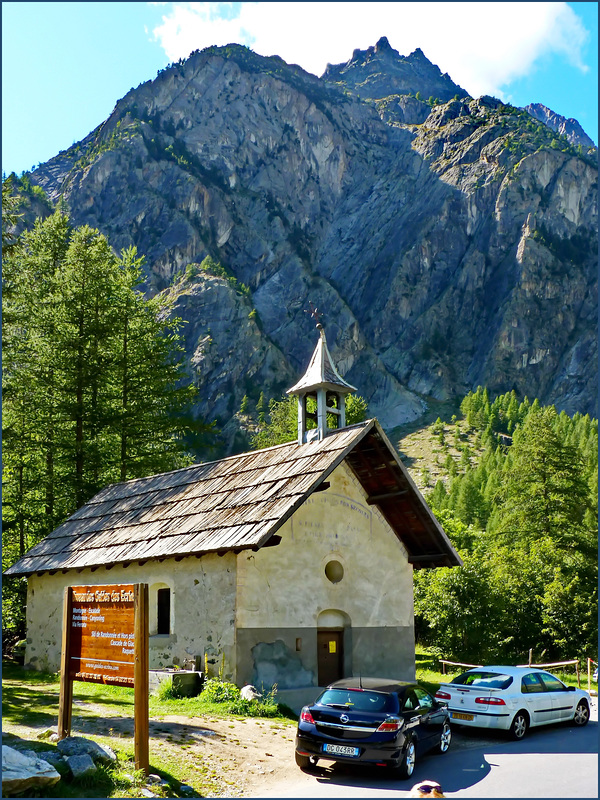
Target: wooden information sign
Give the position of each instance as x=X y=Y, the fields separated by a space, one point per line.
x=105 y=640
x=101 y=647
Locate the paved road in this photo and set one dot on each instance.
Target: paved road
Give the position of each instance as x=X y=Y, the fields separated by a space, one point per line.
x=555 y=761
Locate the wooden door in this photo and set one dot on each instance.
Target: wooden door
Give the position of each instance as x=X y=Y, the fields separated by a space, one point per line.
x=330 y=656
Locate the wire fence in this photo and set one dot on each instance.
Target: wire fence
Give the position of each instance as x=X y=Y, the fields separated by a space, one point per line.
x=445 y=663
x=553 y=665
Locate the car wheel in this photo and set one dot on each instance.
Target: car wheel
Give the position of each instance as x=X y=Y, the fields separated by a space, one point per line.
x=519 y=725
x=407 y=767
x=306 y=763
x=445 y=739
x=582 y=714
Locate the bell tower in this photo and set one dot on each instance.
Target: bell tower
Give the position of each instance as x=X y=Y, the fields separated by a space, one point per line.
x=322 y=384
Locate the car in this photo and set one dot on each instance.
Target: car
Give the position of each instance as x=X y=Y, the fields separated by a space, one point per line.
x=512 y=699
x=375 y=721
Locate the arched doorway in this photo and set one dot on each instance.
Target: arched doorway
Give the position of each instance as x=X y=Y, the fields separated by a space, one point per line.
x=333 y=628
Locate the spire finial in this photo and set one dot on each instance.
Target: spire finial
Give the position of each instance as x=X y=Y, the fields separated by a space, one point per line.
x=315 y=314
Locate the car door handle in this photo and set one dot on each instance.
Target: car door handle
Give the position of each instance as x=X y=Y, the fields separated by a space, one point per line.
x=415 y=719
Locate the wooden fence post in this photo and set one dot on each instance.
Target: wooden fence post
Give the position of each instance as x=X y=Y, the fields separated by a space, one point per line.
x=589 y=665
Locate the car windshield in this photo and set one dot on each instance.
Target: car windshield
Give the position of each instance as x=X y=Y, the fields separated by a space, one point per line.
x=358 y=700
x=489 y=680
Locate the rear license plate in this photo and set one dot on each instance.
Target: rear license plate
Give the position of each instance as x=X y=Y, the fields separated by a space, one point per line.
x=468 y=717
x=341 y=750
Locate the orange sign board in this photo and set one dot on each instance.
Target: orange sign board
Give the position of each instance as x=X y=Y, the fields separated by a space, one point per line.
x=101 y=641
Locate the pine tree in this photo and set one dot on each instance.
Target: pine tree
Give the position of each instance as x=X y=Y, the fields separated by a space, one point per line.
x=93 y=380
x=544 y=494
x=150 y=392
x=29 y=419
x=469 y=502
x=437 y=497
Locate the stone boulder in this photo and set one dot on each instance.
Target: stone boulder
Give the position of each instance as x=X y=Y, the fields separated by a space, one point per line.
x=51 y=756
x=50 y=733
x=21 y=772
x=81 y=766
x=79 y=746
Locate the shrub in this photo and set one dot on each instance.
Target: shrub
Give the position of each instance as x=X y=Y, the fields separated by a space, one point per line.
x=264 y=707
x=167 y=691
x=218 y=691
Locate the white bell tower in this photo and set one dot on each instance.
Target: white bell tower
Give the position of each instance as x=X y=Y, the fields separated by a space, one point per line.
x=323 y=383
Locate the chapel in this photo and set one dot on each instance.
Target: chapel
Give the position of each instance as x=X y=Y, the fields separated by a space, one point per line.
x=289 y=566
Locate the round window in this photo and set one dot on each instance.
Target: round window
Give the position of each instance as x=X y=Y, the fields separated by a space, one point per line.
x=334 y=571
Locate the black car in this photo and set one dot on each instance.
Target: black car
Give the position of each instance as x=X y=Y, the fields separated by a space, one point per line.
x=372 y=721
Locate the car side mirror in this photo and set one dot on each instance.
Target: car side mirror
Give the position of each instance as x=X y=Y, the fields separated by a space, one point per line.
x=570 y=688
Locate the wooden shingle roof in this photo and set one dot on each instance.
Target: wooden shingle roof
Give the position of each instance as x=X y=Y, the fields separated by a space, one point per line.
x=237 y=503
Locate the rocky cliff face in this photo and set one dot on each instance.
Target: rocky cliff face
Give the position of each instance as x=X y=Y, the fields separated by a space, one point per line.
x=566 y=127
x=448 y=245
x=381 y=71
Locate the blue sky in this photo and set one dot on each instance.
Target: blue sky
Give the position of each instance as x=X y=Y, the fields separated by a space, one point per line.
x=65 y=65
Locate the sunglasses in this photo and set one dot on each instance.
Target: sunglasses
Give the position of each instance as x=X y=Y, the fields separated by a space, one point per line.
x=428 y=789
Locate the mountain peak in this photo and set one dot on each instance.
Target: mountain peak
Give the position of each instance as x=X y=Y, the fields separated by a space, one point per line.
x=383 y=45
x=567 y=127
x=380 y=71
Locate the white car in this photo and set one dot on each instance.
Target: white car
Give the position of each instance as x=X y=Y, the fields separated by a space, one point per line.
x=512 y=699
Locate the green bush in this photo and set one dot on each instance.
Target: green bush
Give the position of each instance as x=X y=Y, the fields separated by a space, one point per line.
x=266 y=706
x=218 y=691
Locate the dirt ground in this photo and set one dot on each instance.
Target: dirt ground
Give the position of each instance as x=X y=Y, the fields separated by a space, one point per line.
x=246 y=757
x=239 y=758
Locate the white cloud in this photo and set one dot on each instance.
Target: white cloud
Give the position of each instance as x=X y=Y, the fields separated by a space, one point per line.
x=483 y=46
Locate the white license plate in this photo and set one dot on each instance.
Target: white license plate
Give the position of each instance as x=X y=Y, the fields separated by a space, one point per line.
x=340 y=750
x=468 y=717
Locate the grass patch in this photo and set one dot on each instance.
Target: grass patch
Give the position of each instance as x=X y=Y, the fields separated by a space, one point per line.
x=166 y=690
x=428 y=670
x=11 y=669
x=31 y=698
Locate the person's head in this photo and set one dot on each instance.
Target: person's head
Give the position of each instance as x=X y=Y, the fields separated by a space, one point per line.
x=427 y=789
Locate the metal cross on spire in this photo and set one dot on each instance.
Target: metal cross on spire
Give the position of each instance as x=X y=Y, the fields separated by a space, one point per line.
x=314 y=313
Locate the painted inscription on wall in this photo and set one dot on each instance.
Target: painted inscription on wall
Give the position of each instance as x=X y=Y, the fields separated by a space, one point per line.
x=332 y=519
x=101 y=642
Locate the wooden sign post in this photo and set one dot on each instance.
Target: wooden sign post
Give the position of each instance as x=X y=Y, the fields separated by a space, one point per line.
x=105 y=640
x=141 y=689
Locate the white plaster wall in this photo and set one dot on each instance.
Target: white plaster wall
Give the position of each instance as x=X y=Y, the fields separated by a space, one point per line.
x=285 y=586
x=202 y=609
